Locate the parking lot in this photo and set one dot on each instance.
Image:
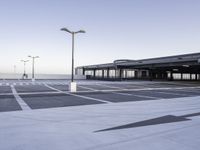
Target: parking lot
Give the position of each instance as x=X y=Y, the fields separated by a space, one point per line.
x=100 y=115
x=18 y=95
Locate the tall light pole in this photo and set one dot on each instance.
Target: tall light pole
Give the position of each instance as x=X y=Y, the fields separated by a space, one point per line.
x=73 y=84
x=33 y=66
x=24 y=61
x=14 y=69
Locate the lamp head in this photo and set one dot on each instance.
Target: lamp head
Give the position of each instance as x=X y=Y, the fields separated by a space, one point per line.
x=81 y=31
x=66 y=30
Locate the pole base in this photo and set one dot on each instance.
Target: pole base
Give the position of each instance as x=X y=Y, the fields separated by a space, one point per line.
x=72 y=87
x=33 y=80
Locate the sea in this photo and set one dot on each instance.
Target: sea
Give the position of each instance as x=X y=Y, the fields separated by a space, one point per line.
x=39 y=76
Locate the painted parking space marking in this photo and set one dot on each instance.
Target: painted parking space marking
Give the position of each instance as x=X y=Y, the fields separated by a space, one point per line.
x=142 y=96
x=20 y=101
x=109 y=86
x=81 y=96
x=170 y=93
x=87 y=88
x=188 y=91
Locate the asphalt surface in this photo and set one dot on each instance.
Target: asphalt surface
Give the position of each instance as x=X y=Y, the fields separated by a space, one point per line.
x=15 y=94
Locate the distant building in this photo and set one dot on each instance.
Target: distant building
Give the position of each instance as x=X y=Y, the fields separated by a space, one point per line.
x=179 y=67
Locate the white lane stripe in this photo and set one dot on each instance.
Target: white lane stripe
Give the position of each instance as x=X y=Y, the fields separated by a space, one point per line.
x=20 y=101
x=50 y=87
x=0 y=84
x=142 y=96
x=110 y=86
x=81 y=96
x=129 y=90
x=7 y=84
x=87 y=88
x=29 y=93
x=169 y=93
x=189 y=91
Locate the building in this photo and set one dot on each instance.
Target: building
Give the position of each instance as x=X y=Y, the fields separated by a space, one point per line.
x=179 y=67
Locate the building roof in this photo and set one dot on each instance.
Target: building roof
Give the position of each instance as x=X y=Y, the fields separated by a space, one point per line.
x=193 y=58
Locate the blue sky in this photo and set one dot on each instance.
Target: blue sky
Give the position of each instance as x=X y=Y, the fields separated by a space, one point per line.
x=115 y=29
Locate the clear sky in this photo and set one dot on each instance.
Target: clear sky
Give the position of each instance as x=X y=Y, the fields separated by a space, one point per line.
x=115 y=29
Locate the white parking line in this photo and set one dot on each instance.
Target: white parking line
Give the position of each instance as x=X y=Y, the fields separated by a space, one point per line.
x=30 y=93
x=169 y=93
x=142 y=96
x=189 y=91
x=109 y=86
x=87 y=88
x=20 y=101
x=81 y=96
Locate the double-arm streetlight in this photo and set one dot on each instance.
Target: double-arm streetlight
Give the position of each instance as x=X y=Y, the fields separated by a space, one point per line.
x=33 y=66
x=24 y=61
x=72 y=33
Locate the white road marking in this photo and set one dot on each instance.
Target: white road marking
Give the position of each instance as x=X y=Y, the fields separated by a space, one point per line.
x=5 y=94
x=20 y=101
x=87 y=88
x=109 y=86
x=142 y=96
x=81 y=96
x=189 y=91
x=171 y=93
x=7 y=84
x=30 y=93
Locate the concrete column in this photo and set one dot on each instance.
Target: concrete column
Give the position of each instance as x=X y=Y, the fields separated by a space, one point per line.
x=150 y=75
x=103 y=73
x=181 y=76
x=94 y=72
x=108 y=73
x=83 y=71
x=171 y=76
x=136 y=74
x=196 y=78
x=120 y=73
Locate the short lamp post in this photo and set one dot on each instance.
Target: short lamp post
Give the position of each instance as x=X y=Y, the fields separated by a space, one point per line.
x=33 y=66
x=24 y=75
x=72 y=86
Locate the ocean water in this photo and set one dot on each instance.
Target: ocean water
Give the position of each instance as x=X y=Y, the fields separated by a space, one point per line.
x=39 y=76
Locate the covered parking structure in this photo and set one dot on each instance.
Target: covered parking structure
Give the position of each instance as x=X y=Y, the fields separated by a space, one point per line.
x=179 y=67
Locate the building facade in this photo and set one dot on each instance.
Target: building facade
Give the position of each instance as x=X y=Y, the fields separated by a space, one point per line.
x=179 y=67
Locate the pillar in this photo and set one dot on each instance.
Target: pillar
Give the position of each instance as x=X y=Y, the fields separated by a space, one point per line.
x=102 y=73
x=94 y=72
x=108 y=73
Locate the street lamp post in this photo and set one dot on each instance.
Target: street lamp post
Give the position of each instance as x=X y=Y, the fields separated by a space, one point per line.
x=33 y=66
x=72 y=84
x=24 y=75
x=14 y=69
